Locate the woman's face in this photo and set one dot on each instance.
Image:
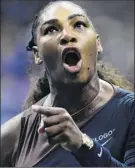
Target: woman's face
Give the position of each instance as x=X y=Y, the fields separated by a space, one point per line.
x=66 y=41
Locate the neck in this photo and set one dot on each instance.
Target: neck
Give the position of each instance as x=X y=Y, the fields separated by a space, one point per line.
x=74 y=98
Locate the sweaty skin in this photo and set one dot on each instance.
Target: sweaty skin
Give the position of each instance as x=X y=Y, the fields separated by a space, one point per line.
x=71 y=92
x=65 y=29
x=85 y=84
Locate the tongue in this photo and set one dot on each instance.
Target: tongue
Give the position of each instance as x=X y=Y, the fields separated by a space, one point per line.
x=73 y=68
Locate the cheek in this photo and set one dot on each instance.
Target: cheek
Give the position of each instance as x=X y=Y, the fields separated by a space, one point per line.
x=90 y=45
x=89 y=49
x=49 y=53
x=47 y=44
x=48 y=48
x=89 y=52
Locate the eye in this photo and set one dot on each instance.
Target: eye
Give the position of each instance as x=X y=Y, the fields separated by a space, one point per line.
x=50 y=30
x=79 y=25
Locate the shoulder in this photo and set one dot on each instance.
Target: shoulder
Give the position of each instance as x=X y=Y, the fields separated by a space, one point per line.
x=10 y=135
x=12 y=127
x=125 y=97
x=15 y=122
x=10 y=132
x=125 y=102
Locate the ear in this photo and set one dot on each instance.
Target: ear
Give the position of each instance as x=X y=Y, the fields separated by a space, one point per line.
x=99 y=46
x=37 y=58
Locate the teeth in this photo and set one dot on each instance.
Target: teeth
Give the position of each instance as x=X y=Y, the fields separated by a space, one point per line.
x=71 y=52
x=79 y=63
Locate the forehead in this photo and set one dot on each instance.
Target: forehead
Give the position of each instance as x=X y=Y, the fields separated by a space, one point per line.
x=61 y=11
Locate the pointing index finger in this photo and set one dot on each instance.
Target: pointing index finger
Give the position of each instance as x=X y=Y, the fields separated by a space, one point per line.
x=48 y=111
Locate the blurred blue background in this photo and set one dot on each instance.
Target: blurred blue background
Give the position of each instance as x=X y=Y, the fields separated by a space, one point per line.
x=114 y=21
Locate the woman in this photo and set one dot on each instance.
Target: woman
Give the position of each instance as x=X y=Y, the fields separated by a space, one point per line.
x=83 y=121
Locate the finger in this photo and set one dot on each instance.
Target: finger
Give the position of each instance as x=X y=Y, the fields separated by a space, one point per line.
x=54 y=120
x=48 y=111
x=55 y=129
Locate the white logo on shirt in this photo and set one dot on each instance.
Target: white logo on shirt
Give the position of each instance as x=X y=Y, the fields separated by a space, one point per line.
x=100 y=154
x=107 y=135
x=106 y=141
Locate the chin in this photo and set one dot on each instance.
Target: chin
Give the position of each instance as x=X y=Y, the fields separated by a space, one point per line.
x=76 y=81
x=66 y=79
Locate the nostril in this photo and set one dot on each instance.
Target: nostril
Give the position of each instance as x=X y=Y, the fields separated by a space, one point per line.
x=73 y=40
x=63 y=41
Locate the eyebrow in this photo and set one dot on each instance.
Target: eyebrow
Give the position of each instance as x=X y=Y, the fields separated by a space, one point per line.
x=75 y=15
x=54 y=21
x=51 y=21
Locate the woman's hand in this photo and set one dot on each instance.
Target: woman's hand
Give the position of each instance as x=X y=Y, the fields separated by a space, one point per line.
x=59 y=127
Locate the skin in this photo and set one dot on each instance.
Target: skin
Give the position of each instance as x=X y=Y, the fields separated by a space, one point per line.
x=49 y=48
x=68 y=91
x=65 y=30
x=60 y=127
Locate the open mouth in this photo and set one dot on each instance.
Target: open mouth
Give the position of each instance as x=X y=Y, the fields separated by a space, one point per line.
x=72 y=60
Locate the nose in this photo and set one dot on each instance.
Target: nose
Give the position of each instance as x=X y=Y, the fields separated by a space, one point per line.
x=67 y=38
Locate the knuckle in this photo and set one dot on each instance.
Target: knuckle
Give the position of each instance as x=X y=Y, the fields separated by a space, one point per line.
x=67 y=125
x=65 y=116
x=47 y=130
x=66 y=135
x=62 y=110
x=44 y=119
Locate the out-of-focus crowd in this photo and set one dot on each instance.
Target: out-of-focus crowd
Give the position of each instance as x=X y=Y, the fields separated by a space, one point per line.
x=14 y=83
x=16 y=19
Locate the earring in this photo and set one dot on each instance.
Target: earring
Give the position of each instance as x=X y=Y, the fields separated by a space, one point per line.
x=38 y=60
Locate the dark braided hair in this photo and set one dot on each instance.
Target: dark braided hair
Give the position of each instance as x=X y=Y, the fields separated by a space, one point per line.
x=32 y=42
x=41 y=87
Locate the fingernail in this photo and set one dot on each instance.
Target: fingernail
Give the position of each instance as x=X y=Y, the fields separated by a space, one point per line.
x=41 y=130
